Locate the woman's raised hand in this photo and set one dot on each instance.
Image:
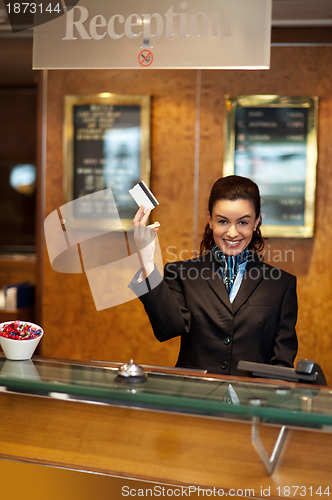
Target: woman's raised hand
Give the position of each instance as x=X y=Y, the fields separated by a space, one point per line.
x=145 y=239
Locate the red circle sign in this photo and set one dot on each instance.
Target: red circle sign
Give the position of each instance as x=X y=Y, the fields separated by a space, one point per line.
x=145 y=57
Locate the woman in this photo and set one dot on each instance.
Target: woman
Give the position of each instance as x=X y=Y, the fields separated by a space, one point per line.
x=227 y=305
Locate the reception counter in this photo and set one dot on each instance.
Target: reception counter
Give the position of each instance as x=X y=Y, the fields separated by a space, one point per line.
x=270 y=438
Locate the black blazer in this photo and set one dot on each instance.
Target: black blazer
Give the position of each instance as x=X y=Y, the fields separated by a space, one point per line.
x=216 y=334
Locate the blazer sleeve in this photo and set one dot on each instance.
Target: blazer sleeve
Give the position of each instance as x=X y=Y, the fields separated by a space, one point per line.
x=286 y=343
x=164 y=302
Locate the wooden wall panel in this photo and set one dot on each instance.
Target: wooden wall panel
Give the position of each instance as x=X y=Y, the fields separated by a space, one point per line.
x=74 y=329
x=15 y=270
x=17 y=144
x=124 y=331
x=160 y=447
x=295 y=71
x=18 y=124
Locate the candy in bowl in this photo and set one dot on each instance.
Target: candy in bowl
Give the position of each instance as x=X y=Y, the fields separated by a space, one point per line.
x=19 y=339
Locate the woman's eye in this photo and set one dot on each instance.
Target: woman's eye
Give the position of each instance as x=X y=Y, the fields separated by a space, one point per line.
x=222 y=221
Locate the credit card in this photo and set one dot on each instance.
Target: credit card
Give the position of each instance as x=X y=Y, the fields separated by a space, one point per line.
x=143 y=196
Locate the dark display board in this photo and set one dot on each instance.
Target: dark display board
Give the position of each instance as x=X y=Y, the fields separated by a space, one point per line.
x=107 y=148
x=279 y=170
x=273 y=142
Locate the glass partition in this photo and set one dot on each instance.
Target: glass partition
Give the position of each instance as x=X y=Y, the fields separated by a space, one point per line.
x=172 y=390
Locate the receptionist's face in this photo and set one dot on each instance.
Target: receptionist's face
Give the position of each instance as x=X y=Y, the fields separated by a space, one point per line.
x=233 y=223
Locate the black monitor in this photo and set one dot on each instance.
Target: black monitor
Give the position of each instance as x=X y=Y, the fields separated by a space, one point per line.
x=306 y=371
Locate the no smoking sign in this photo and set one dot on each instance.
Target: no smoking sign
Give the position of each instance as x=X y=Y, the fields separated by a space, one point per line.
x=145 y=57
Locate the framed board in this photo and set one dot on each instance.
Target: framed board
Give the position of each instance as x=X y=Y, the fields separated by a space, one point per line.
x=273 y=141
x=106 y=149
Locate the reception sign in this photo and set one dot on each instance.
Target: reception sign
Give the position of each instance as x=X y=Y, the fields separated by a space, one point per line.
x=273 y=141
x=153 y=34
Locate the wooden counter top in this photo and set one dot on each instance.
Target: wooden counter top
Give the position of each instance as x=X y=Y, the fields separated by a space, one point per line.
x=166 y=447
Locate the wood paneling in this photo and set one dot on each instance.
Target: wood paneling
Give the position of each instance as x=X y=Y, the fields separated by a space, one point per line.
x=301 y=35
x=73 y=328
x=18 y=111
x=15 y=59
x=157 y=446
x=17 y=269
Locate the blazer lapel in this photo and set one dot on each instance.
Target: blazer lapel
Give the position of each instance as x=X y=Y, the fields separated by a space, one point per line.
x=213 y=276
x=253 y=275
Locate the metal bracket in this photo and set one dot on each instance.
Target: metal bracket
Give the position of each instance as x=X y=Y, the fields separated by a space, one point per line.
x=269 y=462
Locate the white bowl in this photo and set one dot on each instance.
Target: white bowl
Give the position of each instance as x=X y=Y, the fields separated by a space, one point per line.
x=19 y=349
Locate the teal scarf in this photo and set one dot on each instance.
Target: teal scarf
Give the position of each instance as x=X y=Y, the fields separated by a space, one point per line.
x=229 y=265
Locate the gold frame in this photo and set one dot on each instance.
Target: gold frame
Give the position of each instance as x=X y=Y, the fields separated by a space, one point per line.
x=104 y=99
x=281 y=229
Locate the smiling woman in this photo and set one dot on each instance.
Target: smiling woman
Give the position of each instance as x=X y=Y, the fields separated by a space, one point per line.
x=234 y=216
x=227 y=304
x=233 y=224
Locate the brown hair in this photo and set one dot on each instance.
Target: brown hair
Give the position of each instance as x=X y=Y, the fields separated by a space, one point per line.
x=234 y=187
